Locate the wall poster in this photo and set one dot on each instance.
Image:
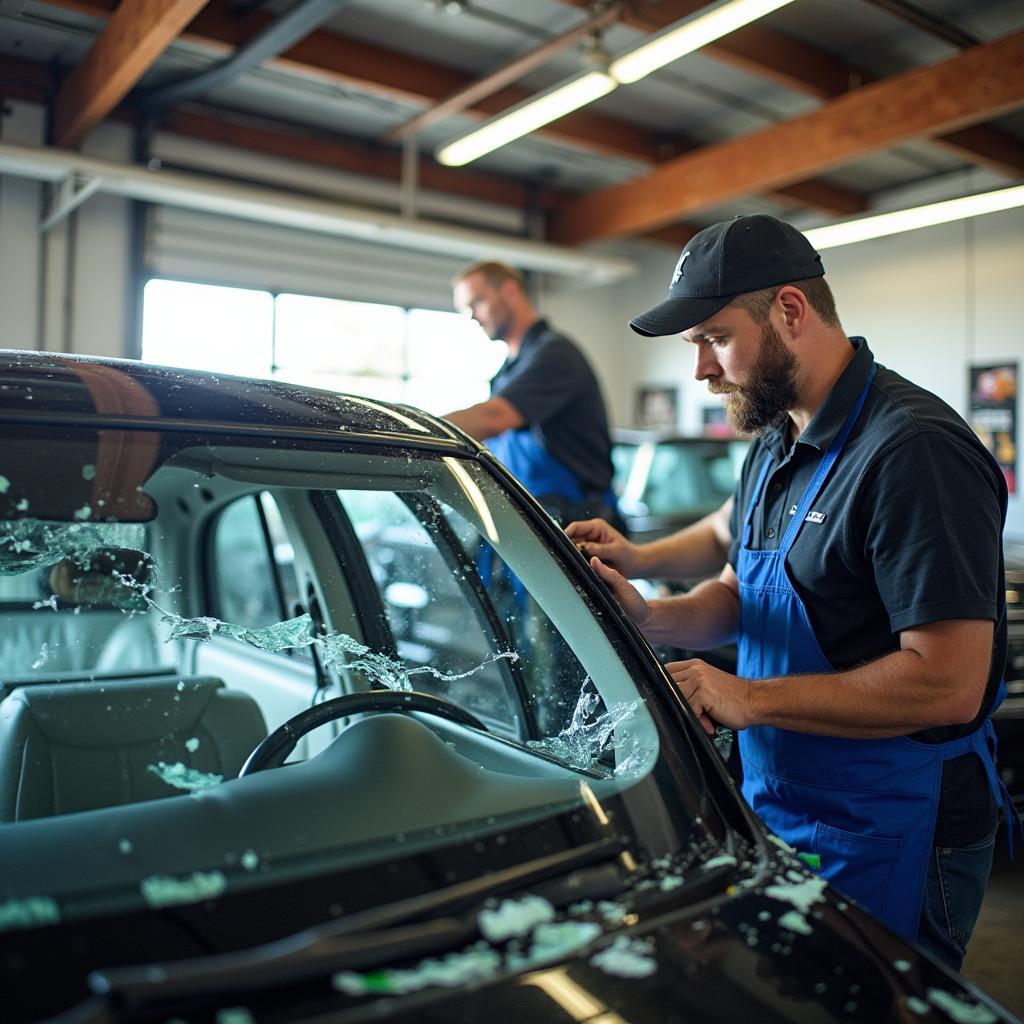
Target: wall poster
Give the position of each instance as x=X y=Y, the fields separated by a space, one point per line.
x=657 y=405
x=993 y=414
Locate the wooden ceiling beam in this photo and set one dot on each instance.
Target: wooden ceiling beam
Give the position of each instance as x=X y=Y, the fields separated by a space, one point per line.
x=381 y=71
x=676 y=235
x=982 y=82
x=987 y=147
x=133 y=38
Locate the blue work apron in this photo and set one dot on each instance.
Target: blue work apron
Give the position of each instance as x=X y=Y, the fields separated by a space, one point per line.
x=867 y=808
x=534 y=466
x=542 y=474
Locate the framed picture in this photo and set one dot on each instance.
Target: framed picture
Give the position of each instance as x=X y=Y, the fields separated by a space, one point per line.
x=713 y=422
x=657 y=405
x=992 y=412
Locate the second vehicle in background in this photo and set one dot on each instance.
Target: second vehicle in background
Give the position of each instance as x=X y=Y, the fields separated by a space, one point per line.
x=666 y=480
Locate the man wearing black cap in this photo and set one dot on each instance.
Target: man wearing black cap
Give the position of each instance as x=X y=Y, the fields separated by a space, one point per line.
x=864 y=585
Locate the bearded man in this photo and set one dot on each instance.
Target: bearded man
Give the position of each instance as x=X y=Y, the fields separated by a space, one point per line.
x=863 y=582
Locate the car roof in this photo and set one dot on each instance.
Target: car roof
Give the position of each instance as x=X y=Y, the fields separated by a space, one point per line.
x=47 y=387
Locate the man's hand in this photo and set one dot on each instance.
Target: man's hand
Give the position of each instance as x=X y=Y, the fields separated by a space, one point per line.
x=714 y=696
x=624 y=592
x=594 y=537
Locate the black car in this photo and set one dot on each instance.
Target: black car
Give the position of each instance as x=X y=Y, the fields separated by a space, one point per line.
x=310 y=713
x=665 y=480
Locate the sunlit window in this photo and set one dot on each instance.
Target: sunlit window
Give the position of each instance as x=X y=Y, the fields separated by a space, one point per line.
x=429 y=358
x=450 y=360
x=205 y=327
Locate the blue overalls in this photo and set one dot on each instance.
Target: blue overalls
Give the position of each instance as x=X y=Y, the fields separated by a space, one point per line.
x=867 y=808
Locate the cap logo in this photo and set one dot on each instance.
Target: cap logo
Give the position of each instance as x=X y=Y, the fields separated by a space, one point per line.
x=678 y=272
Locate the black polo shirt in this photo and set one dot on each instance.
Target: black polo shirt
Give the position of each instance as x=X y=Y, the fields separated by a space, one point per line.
x=554 y=389
x=906 y=530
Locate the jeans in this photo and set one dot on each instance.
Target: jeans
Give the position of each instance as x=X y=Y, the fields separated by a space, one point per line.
x=952 y=898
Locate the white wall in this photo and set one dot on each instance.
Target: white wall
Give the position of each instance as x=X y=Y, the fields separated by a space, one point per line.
x=19 y=239
x=67 y=290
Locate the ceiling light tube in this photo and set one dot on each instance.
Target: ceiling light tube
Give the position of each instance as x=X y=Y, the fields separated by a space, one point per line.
x=701 y=28
x=882 y=224
x=526 y=117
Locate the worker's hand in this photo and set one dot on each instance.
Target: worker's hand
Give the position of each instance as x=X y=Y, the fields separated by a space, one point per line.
x=714 y=696
x=594 y=537
x=625 y=593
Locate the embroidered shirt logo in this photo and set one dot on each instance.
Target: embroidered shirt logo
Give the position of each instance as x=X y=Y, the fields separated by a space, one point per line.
x=678 y=272
x=811 y=517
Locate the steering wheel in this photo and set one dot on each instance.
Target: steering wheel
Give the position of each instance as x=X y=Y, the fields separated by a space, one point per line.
x=281 y=742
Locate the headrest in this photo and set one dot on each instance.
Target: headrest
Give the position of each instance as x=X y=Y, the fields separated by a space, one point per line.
x=122 y=713
x=115 y=577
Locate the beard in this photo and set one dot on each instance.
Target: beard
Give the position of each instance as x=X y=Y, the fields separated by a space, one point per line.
x=501 y=323
x=764 y=402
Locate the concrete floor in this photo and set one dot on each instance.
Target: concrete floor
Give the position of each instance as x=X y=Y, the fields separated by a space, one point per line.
x=995 y=955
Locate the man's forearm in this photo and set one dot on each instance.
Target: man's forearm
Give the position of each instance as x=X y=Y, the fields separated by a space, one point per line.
x=698 y=550
x=706 y=617
x=897 y=694
x=487 y=419
x=476 y=422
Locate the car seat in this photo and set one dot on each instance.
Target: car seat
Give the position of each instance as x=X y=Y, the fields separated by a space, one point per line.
x=72 y=747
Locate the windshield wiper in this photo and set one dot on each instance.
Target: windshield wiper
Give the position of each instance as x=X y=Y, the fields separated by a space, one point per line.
x=368 y=938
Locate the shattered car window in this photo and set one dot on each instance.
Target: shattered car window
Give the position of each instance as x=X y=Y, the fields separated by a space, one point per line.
x=171 y=642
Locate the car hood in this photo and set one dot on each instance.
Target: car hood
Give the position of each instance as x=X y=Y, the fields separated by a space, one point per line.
x=771 y=943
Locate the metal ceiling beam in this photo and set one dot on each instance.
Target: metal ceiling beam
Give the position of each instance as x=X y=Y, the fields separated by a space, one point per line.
x=927 y=22
x=271 y=206
x=133 y=38
x=464 y=98
x=303 y=18
x=980 y=83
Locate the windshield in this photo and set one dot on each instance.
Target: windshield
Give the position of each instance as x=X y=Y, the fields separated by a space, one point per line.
x=146 y=656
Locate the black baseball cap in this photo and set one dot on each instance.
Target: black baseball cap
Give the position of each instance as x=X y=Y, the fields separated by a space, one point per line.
x=725 y=260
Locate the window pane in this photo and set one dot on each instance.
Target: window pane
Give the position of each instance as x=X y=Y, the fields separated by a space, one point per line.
x=451 y=346
x=207 y=327
x=336 y=337
x=442 y=396
x=434 y=616
x=243 y=574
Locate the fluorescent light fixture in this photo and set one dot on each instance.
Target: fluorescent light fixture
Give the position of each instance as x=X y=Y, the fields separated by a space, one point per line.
x=917 y=217
x=680 y=38
x=690 y=34
x=527 y=117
